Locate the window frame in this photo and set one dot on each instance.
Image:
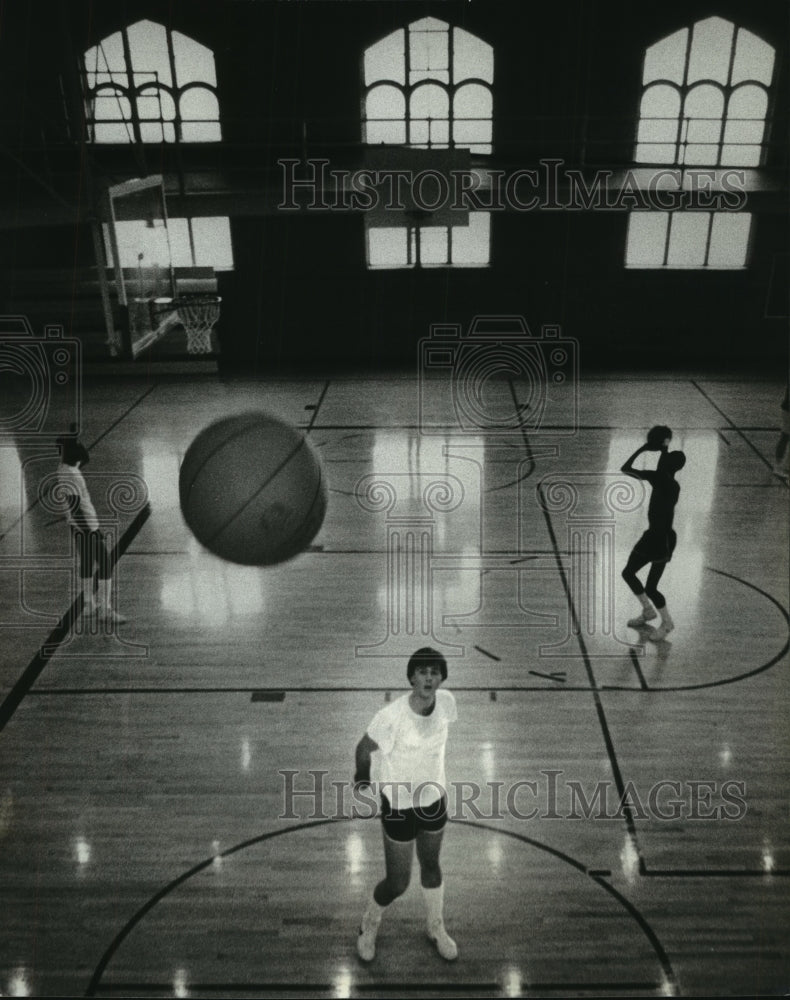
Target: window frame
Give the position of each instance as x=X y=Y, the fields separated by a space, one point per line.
x=130 y=92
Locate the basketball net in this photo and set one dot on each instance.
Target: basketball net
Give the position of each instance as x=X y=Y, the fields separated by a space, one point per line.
x=198 y=316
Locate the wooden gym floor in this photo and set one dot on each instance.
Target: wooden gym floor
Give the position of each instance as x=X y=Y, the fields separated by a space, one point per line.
x=149 y=847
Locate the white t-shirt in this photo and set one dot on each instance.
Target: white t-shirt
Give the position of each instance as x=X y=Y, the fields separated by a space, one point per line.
x=71 y=478
x=411 y=750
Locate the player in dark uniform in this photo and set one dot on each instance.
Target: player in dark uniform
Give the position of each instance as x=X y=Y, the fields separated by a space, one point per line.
x=657 y=543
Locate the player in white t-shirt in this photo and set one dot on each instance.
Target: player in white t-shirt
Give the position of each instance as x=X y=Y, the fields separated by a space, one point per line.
x=91 y=544
x=408 y=738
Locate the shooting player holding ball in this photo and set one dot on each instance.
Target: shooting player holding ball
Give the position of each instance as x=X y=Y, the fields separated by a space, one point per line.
x=657 y=543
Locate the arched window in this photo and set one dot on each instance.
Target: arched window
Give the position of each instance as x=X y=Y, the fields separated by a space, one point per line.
x=147 y=83
x=704 y=103
x=705 y=97
x=429 y=86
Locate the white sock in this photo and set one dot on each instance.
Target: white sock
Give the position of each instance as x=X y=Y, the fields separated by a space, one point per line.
x=434 y=904
x=437 y=932
x=644 y=600
x=666 y=617
x=374 y=913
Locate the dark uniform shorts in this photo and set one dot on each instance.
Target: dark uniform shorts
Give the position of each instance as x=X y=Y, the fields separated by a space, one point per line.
x=404 y=824
x=655 y=546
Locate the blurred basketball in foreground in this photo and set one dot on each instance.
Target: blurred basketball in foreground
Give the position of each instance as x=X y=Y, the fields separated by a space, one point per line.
x=252 y=490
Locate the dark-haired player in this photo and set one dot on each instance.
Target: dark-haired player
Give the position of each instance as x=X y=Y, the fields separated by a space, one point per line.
x=657 y=543
x=92 y=548
x=410 y=735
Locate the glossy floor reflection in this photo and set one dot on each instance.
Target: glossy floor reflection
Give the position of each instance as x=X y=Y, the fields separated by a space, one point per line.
x=620 y=803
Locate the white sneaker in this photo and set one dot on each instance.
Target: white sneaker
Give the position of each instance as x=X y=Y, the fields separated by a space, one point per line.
x=660 y=633
x=647 y=615
x=445 y=945
x=366 y=940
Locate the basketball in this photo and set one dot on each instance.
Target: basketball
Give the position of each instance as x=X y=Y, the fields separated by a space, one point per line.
x=252 y=489
x=657 y=435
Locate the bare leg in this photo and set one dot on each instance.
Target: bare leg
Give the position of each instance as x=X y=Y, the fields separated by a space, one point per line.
x=397 y=860
x=429 y=846
x=651 y=587
x=632 y=567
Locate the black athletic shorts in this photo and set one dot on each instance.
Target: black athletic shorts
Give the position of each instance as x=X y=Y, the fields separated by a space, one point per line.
x=656 y=546
x=404 y=824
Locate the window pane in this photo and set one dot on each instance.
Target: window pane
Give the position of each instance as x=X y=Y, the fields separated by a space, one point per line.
x=703 y=110
x=434 y=245
x=387 y=247
x=109 y=132
x=658 y=125
x=729 y=239
x=177 y=241
x=108 y=55
x=154 y=108
x=108 y=108
x=148 y=48
x=194 y=62
x=212 y=243
x=429 y=51
x=472 y=107
x=201 y=132
x=387 y=132
x=745 y=127
x=440 y=133
x=666 y=60
x=711 y=48
x=688 y=238
x=155 y=105
x=112 y=106
x=472 y=244
x=646 y=240
x=754 y=59
x=386 y=59
x=474 y=135
x=385 y=110
x=472 y=57
x=143 y=244
x=97 y=79
x=199 y=115
x=429 y=116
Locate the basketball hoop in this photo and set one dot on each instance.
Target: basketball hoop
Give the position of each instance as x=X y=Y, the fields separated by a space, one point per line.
x=197 y=314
